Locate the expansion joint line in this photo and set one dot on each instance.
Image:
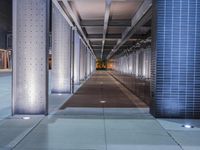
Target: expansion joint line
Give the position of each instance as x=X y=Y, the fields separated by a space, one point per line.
x=170 y=136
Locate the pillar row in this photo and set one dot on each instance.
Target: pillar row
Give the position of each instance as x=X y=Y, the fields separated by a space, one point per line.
x=30 y=75
x=61 y=53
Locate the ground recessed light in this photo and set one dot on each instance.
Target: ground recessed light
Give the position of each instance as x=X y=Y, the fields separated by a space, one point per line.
x=187 y=126
x=26 y=118
x=103 y=102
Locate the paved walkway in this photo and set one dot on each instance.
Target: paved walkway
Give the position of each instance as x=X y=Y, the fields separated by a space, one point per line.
x=102 y=90
x=99 y=128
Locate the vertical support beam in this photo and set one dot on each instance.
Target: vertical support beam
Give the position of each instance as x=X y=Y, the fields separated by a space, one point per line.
x=30 y=75
x=88 y=62
x=61 y=53
x=85 y=62
x=72 y=59
x=82 y=61
x=5 y=60
x=91 y=64
x=77 y=58
x=176 y=59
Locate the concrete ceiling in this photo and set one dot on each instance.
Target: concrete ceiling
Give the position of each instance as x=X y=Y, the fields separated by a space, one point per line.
x=104 y=22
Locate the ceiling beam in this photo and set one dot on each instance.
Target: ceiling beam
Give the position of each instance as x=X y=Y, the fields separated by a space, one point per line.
x=77 y=23
x=62 y=12
x=100 y=23
x=106 y=20
x=143 y=14
x=109 y=46
x=100 y=36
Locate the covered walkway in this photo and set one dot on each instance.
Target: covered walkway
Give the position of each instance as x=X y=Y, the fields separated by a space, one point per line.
x=121 y=122
x=144 y=96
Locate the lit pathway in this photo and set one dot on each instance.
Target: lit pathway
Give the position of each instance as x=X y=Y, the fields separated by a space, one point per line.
x=95 y=127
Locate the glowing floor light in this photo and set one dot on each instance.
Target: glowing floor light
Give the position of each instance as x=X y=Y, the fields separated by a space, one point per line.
x=187 y=126
x=103 y=102
x=26 y=117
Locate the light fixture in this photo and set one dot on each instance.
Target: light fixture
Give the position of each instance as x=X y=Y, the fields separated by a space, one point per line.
x=103 y=102
x=187 y=126
x=26 y=117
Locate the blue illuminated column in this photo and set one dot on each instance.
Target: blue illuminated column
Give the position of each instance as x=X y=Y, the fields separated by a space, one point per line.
x=30 y=75
x=61 y=53
x=76 y=58
x=176 y=59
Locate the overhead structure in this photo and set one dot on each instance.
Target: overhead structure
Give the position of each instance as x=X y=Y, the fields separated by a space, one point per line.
x=102 y=24
x=139 y=19
x=105 y=25
x=67 y=8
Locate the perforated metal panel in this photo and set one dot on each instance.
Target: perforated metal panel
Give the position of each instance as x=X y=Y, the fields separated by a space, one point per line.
x=30 y=56
x=76 y=58
x=61 y=72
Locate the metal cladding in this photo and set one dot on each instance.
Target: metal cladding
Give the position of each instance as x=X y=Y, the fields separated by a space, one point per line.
x=82 y=75
x=88 y=62
x=176 y=59
x=76 y=58
x=137 y=63
x=61 y=50
x=133 y=71
x=30 y=26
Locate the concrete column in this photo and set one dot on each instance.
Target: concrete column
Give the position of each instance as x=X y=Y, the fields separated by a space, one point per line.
x=176 y=59
x=77 y=58
x=30 y=75
x=61 y=56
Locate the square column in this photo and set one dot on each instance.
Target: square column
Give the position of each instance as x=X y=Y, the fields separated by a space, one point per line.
x=176 y=59
x=88 y=62
x=61 y=53
x=76 y=58
x=85 y=62
x=30 y=75
x=82 y=54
